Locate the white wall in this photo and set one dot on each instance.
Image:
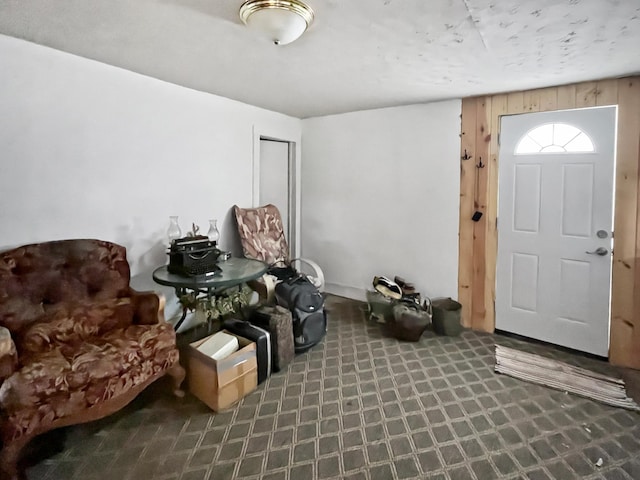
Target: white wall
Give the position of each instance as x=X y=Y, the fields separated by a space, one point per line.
x=380 y=196
x=92 y=151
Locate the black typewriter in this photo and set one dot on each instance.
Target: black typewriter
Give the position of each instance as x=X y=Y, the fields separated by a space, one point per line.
x=194 y=256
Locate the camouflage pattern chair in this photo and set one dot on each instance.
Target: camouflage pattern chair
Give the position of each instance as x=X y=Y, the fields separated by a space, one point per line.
x=262 y=237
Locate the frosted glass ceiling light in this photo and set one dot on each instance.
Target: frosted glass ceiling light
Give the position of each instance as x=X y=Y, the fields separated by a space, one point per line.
x=282 y=21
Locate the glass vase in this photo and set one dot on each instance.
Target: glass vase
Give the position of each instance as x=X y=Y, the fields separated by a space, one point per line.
x=213 y=234
x=173 y=232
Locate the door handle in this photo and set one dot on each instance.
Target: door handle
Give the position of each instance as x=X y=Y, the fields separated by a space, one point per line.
x=599 y=251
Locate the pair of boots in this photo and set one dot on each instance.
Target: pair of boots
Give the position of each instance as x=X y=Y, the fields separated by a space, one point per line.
x=398 y=289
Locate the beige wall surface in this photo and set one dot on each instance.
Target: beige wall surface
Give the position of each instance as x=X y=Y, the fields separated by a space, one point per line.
x=380 y=197
x=88 y=150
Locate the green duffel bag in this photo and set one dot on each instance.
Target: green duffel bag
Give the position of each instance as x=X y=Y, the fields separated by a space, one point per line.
x=380 y=307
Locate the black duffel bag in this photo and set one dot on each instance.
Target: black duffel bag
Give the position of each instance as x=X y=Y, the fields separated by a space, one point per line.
x=306 y=304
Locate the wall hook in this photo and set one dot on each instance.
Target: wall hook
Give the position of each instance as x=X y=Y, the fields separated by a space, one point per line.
x=480 y=165
x=466 y=156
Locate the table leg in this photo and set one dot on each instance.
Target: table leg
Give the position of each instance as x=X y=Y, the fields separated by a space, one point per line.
x=179 y=293
x=184 y=315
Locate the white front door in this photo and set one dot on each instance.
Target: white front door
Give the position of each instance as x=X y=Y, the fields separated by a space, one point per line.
x=555 y=220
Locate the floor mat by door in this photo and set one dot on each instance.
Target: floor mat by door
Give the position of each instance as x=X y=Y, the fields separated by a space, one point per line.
x=562 y=376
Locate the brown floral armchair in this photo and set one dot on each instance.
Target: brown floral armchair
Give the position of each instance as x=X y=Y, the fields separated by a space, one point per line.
x=76 y=342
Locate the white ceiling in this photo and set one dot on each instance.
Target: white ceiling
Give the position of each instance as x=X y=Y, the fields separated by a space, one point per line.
x=358 y=54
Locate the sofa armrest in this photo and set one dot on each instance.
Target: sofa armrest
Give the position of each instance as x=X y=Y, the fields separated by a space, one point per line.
x=148 y=307
x=8 y=354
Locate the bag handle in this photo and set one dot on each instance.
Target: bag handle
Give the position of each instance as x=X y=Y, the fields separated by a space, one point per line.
x=428 y=306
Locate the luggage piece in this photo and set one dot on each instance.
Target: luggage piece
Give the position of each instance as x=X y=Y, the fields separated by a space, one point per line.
x=279 y=322
x=306 y=305
x=263 y=343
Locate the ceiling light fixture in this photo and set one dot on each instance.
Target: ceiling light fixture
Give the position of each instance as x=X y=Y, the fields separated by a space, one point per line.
x=282 y=21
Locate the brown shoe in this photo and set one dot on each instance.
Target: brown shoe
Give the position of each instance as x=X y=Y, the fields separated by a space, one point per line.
x=407 y=288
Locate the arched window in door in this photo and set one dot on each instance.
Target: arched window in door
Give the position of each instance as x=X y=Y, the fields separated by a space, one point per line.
x=554 y=138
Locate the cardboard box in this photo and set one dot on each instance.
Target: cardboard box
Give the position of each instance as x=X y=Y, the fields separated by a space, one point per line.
x=221 y=383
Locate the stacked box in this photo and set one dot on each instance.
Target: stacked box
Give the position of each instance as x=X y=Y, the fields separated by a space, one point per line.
x=221 y=383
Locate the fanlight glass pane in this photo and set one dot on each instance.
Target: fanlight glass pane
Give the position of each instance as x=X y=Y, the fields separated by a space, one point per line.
x=542 y=134
x=563 y=133
x=553 y=149
x=581 y=143
x=527 y=145
x=554 y=138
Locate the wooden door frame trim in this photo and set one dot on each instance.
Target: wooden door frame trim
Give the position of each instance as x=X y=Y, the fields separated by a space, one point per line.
x=479 y=187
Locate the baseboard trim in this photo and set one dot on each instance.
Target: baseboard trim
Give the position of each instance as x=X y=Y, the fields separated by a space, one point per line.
x=346 y=291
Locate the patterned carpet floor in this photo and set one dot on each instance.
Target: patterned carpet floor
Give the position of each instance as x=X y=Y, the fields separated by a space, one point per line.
x=362 y=406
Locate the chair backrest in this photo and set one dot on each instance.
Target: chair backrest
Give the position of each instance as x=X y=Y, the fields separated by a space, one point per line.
x=262 y=234
x=36 y=279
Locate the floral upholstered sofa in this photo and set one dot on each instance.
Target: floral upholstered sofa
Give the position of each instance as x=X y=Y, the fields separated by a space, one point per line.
x=76 y=342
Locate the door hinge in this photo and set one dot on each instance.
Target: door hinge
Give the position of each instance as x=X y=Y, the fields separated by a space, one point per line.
x=498 y=138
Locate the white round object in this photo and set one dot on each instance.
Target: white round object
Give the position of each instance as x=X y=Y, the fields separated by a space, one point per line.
x=279 y=25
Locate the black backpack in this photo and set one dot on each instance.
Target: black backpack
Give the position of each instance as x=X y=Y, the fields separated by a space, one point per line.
x=306 y=304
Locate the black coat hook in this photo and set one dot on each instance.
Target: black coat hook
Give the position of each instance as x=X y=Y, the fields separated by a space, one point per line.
x=480 y=165
x=466 y=156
